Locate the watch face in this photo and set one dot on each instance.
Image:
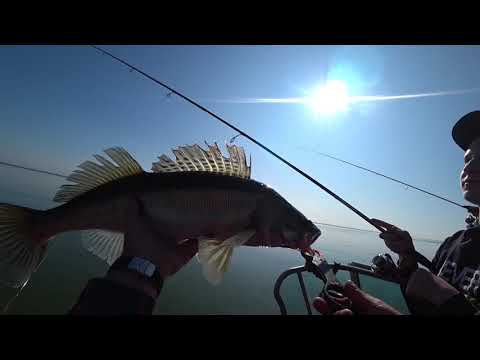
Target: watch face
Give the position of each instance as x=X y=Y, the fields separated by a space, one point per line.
x=143 y=266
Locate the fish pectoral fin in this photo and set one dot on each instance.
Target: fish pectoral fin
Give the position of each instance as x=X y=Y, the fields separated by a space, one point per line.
x=215 y=255
x=240 y=238
x=214 y=269
x=107 y=245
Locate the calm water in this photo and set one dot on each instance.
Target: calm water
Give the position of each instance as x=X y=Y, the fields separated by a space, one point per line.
x=247 y=287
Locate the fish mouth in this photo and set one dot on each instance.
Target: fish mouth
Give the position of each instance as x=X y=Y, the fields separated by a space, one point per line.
x=314 y=236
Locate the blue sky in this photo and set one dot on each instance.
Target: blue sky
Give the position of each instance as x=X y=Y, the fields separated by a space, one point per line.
x=59 y=105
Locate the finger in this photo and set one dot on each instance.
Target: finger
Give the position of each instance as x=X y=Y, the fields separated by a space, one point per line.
x=384 y=236
x=359 y=299
x=188 y=249
x=344 y=312
x=383 y=224
x=395 y=243
x=138 y=222
x=388 y=236
x=394 y=236
x=321 y=305
x=343 y=301
x=350 y=288
x=181 y=256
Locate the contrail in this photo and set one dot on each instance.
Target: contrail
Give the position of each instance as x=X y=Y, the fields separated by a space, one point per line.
x=411 y=96
x=351 y=99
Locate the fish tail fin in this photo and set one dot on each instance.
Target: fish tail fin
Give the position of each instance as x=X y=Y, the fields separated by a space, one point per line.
x=20 y=252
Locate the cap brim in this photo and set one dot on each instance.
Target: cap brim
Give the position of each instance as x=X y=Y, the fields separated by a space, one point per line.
x=467 y=129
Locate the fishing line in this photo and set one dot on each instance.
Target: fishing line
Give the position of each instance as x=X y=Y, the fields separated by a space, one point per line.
x=421 y=259
x=17 y=294
x=55 y=174
x=385 y=176
x=32 y=169
x=363 y=216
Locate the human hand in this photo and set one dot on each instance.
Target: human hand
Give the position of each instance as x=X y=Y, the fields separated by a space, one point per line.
x=362 y=303
x=141 y=240
x=397 y=240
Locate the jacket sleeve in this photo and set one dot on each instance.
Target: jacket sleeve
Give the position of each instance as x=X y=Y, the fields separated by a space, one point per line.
x=457 y=306
x=108 y=298
x=439 y=257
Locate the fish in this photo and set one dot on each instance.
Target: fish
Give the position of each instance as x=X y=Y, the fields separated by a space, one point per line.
x=200 y=195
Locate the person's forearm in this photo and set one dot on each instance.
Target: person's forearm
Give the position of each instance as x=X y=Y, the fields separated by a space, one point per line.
x=120 y=292
x=134 y=281
x=435 y=296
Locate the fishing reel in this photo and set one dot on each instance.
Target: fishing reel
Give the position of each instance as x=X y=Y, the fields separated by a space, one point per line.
x=384 y=264
x=473 y=216
x=383 y=267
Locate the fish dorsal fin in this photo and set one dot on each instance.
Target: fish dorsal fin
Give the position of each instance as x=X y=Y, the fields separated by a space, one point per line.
x=93 y=175
x=194 y=158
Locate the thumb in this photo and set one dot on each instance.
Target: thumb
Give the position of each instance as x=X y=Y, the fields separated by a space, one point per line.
x=136 y=220
x=365 y=303
x=188 y=249
x=321 y=305
x=350 y=289
x=344 y=312
x=360 y=300
x=389 y=237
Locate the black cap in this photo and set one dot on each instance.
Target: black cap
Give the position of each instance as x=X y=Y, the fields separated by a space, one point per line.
x=467 y=129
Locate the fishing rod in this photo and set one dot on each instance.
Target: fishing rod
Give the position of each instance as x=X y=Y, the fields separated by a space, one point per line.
x=387 y=177
x=421 y=259
x=289 y=164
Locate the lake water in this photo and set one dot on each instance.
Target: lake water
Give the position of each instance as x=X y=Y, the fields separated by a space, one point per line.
x=246 y=289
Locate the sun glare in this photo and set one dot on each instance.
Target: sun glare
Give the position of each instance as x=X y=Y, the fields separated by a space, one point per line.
x=329 y=99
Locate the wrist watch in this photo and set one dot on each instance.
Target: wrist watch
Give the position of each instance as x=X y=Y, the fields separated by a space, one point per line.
x=140 y=266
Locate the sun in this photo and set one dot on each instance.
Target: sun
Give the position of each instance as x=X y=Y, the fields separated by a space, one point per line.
x=330 y=99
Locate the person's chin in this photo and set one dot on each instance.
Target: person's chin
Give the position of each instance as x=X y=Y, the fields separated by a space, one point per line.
x=472 y=195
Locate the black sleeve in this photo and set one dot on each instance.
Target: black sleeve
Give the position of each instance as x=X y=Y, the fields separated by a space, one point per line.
x=439 y=257
x=105 y=297
x=457 y=306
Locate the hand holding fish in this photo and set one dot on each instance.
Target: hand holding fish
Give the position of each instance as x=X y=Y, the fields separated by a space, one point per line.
x=397 y=240
x=142 y=240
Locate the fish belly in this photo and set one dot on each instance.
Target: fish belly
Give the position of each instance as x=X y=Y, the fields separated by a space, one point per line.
x=191 y=213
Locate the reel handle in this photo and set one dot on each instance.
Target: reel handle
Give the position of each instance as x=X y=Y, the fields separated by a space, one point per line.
x=332 y=293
